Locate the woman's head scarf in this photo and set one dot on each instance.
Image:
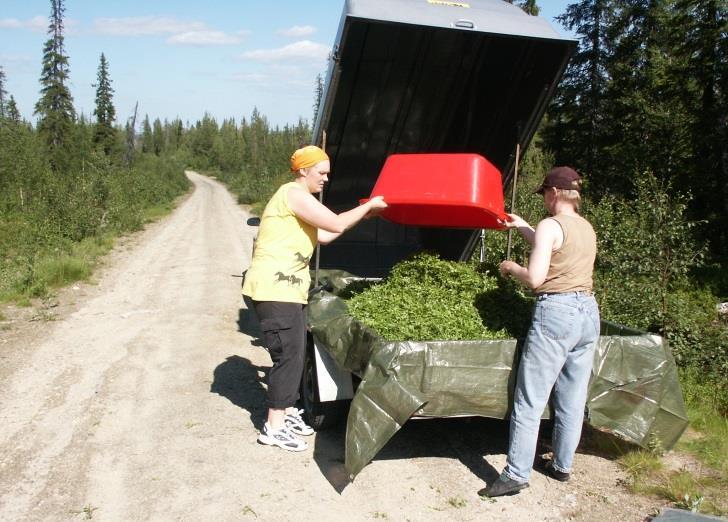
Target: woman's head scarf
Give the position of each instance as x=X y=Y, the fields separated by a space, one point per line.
x=307 y=157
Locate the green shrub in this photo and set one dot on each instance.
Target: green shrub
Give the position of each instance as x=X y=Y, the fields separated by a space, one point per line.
x=49 y=219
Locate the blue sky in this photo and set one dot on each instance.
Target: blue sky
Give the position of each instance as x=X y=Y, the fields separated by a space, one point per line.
x=183 y=58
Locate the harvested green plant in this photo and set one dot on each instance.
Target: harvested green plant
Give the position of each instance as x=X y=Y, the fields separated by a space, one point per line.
x=426 y=298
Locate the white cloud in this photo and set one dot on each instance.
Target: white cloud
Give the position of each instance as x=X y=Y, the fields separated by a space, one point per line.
x=305 y=49
x=297 y=31
x=146 y=26
x=10 y=23
x=253 y=78
x=17 y=63
x=203 y=38
x=37 y=23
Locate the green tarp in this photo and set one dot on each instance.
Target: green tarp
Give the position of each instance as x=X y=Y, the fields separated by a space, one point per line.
x=634 y=391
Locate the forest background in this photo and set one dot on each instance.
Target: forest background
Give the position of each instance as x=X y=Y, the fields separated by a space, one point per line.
x=642 y=112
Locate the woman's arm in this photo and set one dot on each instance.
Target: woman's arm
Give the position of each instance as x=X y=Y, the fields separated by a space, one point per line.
x=547 y=235
x=330 y=225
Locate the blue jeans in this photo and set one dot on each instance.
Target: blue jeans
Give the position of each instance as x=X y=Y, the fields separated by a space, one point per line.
x=558 y=354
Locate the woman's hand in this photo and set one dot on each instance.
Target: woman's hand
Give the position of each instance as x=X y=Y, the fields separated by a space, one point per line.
x=376 y=205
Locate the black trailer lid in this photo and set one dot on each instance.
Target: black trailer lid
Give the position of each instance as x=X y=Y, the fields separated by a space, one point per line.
x=427 y=76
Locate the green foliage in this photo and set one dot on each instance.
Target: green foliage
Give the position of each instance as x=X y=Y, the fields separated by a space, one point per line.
x=3 y=95
x=697 y=490
x=46 y=215
x=252 y=159
x=645 y=243
x=55 y=107
x=147 y=136
x=642 y=278
x=427 y=298
x=645 y=91
x=12 y=112
x=646 y=261
x=529 y=7
x=707 y=404
x=105 y=135
x=534 y=165
x=505 y=308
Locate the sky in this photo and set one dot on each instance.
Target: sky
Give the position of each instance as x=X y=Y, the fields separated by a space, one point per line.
x=183 y=58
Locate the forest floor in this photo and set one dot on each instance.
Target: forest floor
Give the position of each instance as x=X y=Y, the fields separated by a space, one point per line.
x=139 y=396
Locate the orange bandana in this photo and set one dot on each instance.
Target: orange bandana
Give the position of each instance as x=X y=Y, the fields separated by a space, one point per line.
x=307 y=157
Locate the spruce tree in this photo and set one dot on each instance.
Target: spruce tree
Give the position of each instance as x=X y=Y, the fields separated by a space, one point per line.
x=157 y=137
x=104 y=111
x=3 y=94
x=646 y=125
x=318 y=96
x=130 y=133
x=11 y=111
x=530 y=7
x=147 y=138
x=55 y=106
x=701 y=73
x=576 y=113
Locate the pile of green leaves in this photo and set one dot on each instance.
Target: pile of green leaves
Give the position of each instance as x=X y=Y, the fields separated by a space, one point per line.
x=426 y=298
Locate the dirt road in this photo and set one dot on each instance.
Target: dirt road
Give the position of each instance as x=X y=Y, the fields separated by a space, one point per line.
x=142 y=400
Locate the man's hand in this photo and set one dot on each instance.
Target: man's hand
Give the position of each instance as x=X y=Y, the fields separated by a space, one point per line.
x=508 y=267
x=514 y=222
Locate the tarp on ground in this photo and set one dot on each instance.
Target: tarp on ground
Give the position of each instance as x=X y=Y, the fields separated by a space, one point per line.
x=634 y=391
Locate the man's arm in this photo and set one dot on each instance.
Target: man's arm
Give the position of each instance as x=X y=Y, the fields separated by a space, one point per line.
x=547 y=235
x=522 y=226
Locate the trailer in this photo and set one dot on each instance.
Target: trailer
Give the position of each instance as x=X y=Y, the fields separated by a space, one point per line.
x=443 y=77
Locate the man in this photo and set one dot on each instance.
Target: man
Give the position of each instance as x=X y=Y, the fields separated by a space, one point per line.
x=559 y=348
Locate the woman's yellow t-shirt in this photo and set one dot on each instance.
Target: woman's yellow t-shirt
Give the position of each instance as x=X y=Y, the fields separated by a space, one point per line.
x=279 y=269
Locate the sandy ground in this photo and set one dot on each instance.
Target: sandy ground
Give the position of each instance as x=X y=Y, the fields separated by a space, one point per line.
x=139 y=397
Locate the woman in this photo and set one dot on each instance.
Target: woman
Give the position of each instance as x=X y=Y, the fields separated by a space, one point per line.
x=559 y=348
x=278 y=280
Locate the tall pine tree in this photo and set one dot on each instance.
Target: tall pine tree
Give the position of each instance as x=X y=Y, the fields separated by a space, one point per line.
x=147 y=137
x=318 y=96
x=530 y=7
x=55 y=106
x=645 y=126
x=576 y=113
x=3 y=94
x=11 y=111
x=104 y=134
x=701 y=73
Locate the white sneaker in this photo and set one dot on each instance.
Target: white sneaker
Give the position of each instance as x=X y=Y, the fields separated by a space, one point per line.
x=283 y=438
x=296 y=424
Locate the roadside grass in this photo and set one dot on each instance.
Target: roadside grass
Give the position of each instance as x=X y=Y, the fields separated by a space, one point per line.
x=57 y=268
x=694 y=476
x=692 y=488
x=159 y=211
x=66 y=264
x=706 y=404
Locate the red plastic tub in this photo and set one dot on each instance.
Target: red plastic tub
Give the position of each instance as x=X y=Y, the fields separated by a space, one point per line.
x=441 y=190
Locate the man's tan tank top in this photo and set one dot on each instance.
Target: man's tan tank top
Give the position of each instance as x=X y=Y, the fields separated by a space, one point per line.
x=572 y=265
